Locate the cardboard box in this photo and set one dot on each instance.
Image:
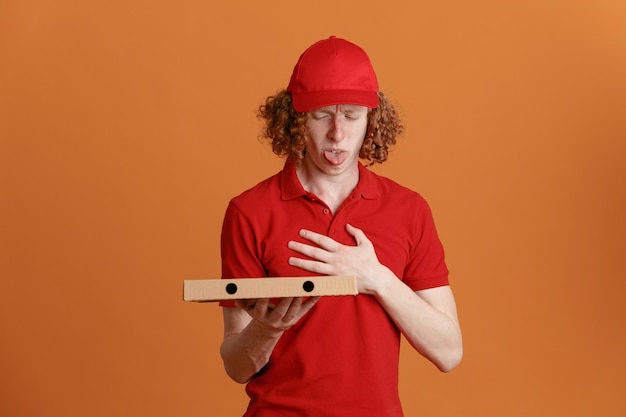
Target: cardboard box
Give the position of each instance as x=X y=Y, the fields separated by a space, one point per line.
x=246 y=288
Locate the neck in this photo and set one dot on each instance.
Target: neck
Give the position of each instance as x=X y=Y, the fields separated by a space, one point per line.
x=331 y=189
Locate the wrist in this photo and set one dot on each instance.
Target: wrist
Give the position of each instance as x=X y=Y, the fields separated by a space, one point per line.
x=382 y=279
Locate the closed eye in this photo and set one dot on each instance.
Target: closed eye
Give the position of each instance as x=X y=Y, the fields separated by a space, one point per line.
x=353 y=116
x=319 y=116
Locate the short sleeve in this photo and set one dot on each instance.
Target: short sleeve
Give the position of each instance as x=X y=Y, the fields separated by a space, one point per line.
x=427 y=266
x=239 y=247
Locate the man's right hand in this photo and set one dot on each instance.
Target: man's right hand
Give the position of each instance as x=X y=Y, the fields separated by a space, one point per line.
x=277 y=316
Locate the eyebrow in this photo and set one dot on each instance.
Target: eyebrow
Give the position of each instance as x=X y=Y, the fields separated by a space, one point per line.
x=331 y=109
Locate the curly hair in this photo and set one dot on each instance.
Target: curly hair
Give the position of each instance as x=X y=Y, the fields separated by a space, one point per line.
x=286 y=129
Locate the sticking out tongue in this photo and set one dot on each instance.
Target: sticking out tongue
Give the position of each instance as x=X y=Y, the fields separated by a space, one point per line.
x=335 y=157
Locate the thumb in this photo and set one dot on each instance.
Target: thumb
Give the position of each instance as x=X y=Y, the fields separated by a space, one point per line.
x=357 y=233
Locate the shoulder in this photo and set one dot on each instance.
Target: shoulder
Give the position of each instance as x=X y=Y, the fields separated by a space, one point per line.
x=264 y=190
x=386 y=188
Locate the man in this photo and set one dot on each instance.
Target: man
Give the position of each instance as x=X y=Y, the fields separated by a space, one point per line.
x=325 y=213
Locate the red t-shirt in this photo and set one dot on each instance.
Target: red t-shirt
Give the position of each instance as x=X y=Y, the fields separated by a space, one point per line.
x=341 y=359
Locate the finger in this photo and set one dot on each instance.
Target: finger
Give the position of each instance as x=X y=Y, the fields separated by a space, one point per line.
x=311 y=266
x=296 y=303
x=319 y=239
x=358 y=234
x=310 y=302
x=282 y=307
x=261 y=306
x=299 y=307
x=293 y=310
x=310 y=251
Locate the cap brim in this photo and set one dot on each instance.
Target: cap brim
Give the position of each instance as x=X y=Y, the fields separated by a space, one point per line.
x=303 y=102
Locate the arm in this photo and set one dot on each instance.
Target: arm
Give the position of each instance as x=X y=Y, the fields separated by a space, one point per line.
x=427 y=318
x=252 y=330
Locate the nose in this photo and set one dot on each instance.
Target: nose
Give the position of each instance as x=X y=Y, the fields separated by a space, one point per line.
x=336 y=131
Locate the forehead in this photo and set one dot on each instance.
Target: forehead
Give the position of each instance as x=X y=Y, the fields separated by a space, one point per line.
x=342 y=108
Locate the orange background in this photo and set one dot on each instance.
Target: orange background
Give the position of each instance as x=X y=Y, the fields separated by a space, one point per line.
x=126 y=126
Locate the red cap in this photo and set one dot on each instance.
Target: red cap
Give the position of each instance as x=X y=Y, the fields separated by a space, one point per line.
x=333 y=71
